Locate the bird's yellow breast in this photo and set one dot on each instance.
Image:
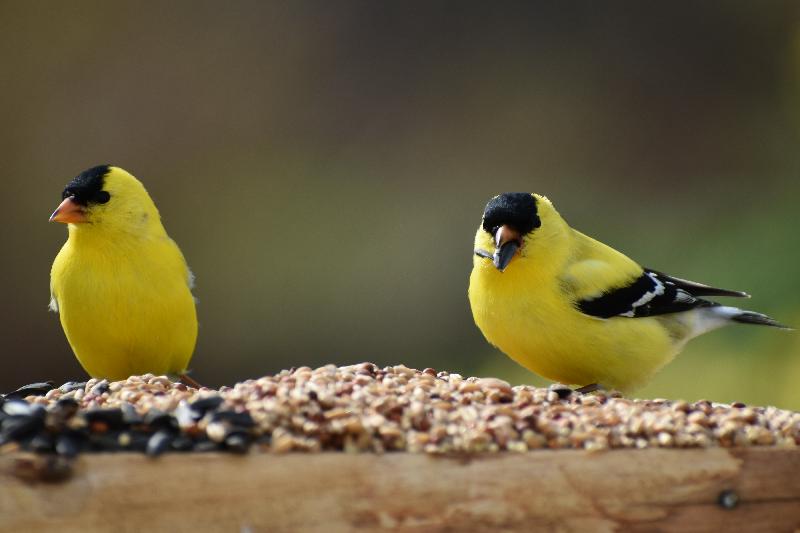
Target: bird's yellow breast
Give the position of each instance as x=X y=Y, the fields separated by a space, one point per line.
x=526 y=314
x=125 y=305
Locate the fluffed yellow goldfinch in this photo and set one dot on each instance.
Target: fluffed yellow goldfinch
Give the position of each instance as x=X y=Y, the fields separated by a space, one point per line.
x=120 y=285
x=574 y=310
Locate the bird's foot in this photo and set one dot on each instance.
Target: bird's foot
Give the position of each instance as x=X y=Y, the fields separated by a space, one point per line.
x=592 y=387
x=189 y=381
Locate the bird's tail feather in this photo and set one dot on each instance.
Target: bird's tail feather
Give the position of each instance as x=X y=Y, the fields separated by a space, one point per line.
x=715 y=316
x=735 y=314
x=750 y=317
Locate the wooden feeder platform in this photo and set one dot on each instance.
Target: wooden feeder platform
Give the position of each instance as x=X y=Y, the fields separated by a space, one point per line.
x=714 y=489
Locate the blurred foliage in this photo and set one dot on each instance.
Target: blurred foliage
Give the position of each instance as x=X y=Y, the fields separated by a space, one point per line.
x=324 y=166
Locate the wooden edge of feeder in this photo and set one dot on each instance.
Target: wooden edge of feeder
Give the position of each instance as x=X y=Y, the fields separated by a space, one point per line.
x=716 y=489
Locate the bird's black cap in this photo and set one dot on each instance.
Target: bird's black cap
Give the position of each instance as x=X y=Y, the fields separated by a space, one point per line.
x=515 y=209
x=87 y=187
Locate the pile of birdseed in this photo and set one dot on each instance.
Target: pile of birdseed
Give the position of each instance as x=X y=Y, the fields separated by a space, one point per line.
x=363 y=408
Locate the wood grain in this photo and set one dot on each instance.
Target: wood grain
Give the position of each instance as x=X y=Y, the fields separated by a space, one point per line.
x=559 y=490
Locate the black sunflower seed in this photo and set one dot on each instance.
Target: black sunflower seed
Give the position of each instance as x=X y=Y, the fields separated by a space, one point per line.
x=70 y=386
x=17 y=407
x=563 y=391
x=182 y=443
x=159 y=443
x=112 y=417
x=130 y=415
x=34 y=389
x=158 y=419
x=237 y=442
x=209 y=403
x=19 y=427
x=100 y=387
x=241 y=419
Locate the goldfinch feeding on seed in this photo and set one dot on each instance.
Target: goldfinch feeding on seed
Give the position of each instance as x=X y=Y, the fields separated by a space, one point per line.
x=574 y=310
x=120 y=284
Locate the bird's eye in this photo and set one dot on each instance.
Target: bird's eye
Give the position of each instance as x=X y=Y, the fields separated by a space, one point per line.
x=495 y=229
x=102 y=197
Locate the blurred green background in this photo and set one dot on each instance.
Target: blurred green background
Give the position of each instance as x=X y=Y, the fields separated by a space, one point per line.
x=324 y=166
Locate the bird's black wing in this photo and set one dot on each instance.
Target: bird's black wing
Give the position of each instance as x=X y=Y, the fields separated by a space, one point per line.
x=697 y=289
x=652 y=293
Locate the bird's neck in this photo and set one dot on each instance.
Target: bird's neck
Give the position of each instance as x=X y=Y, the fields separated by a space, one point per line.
x=112 y=237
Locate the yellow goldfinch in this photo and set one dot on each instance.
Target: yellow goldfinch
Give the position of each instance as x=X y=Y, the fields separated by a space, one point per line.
x=574 y=310
x=120 y=285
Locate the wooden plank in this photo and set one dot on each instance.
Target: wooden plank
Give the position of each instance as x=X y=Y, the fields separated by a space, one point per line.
x=563 y=490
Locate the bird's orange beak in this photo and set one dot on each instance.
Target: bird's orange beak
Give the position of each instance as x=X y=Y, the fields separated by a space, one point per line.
x=69 y=212
x=507 y=241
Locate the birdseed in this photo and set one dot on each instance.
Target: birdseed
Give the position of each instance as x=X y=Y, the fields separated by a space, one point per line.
x=364 y=408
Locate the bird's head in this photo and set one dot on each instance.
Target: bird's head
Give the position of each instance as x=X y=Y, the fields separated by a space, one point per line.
x=517 y=224
x=108 y=198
